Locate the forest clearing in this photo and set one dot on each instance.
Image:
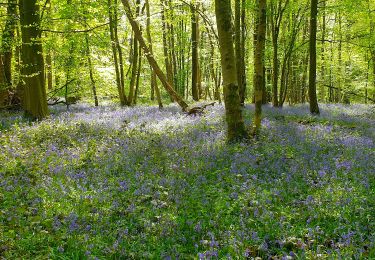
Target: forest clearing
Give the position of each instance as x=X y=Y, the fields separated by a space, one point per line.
x=187 y=129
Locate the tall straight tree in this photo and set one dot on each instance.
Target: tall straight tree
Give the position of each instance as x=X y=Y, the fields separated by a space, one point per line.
x=32 y=71
x=259 y=62
x=154 y=83
x=233 y=110
x=194 y=53
x=314 y=108
x=134 y=60
x=277 y=12
x=7 y=43
x=239 y=29
x=116 y=51
x=167 y=57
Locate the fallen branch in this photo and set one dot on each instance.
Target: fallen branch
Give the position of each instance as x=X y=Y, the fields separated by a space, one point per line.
x=199 y=110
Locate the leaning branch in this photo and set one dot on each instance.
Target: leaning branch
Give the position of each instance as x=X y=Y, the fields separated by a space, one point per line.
x=151 y=60
x=350 y=93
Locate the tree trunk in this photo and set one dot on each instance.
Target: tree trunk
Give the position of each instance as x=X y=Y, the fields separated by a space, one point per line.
x=259 y=62
x=112 y=10
x=172 y=47
x=154 y=83
x=119 y=49
x=32 y=71
x=314 y=108
x=151 y=59
x=167 y=61
x=339 y=69
x=49 y=75
x=194 y=54
x=91 y=71
x=243 y=50
x=275 y=61
x=7 y=43
x=48 y=69
x=240 y=54
x=133 y=77
x=138 y=76
x=323 y=67
x=233 y=110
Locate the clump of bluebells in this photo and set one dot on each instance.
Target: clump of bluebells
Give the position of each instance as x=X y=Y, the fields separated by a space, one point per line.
x=112 y=182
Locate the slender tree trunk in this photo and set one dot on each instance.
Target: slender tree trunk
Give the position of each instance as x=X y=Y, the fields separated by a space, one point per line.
x=304 y=77
x=194 y=54
x=134 y=61
x=151 y=59
x=275 y=61
x=240 y=55
x=48 y=69
x=32 y=71
x=243 y=90
x=119 y=49
x=49 y=74
x=233 y=110
x=323 y=67
x=331 y=93
x=7 y=43
x=172 y=46
x=112 y=10
x=168 y=63
x=259 y=62
x=367 y=79
x=256 y=22
x=91 y=70
x=340 y=74
x=314 y=108
x=138 y=76
x=133 y=77
x=89 y=61
x=154 y=83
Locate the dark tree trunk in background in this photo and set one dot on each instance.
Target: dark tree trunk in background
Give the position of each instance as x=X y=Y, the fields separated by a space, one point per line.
x=259 y=74
x=6 y=55
x=138 y=35
x=233 y=110
x=314 y=108
x=7 y=43
x=32 y=71
x=239 y=28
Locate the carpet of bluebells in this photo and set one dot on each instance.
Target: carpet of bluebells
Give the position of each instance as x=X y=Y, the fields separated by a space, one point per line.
x=139 y=183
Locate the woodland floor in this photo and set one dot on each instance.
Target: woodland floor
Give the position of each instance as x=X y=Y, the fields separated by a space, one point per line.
x=112 y=183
